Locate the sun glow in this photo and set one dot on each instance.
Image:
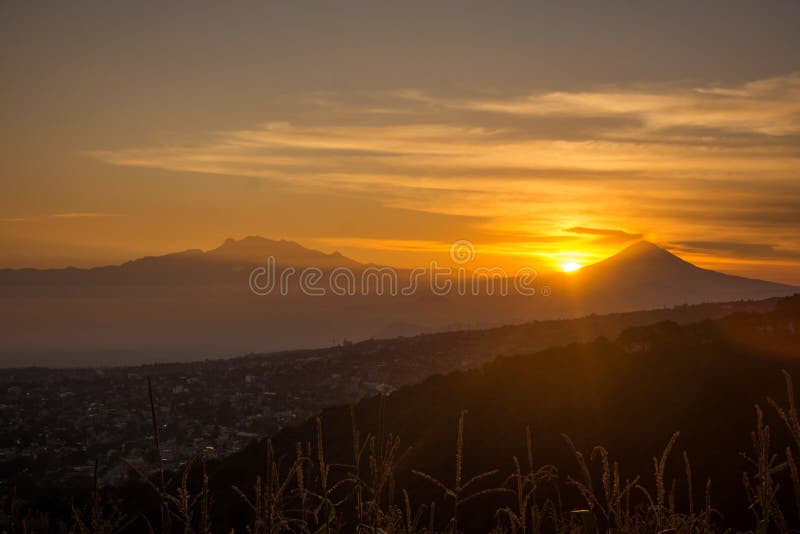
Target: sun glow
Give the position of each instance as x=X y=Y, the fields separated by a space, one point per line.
x=570 y=266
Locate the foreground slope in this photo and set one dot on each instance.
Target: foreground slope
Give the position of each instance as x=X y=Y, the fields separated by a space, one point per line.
x=629 y=394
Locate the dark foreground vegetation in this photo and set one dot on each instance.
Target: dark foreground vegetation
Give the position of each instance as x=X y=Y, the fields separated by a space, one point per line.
x=700 y=433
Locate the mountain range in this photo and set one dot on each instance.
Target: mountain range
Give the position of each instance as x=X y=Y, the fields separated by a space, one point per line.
x=197 y=304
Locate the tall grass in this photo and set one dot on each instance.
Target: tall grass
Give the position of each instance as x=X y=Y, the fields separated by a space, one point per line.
x=310 y=494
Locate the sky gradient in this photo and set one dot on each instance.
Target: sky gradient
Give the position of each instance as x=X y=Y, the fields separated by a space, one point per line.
x=543 y=133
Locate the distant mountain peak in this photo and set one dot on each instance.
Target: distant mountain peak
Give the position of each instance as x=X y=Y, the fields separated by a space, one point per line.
x=643 y=255
x=251 y=240
x=255 y=242
x=644 y=274
x=645 y=247
x=256 y=249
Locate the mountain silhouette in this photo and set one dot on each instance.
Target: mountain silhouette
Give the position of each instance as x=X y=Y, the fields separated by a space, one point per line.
x=196 y=304
x=255 y=249
x=645 y=274
x=217 y=265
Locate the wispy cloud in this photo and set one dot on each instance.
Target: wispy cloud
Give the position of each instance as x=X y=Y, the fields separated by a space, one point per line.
x=68 y=215
x=675 y=132
x=763 y=251
x=605 y=232
x=770 y=106
x=83 y=215
x=604 y=235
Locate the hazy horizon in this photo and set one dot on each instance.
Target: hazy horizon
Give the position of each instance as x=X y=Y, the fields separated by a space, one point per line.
x=438 y=256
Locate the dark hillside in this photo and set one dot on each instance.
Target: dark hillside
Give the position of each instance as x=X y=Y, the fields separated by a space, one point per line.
x=629 y=395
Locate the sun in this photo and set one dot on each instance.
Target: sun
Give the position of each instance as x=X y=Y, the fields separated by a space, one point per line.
x=570 y=266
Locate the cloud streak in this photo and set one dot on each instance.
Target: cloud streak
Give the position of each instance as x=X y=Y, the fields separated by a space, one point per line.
x=761 y=251
x=67 y=215
x=765 y=107
x=83 y=215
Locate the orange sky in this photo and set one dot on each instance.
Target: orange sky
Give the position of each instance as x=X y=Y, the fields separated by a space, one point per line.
x=542 y=134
